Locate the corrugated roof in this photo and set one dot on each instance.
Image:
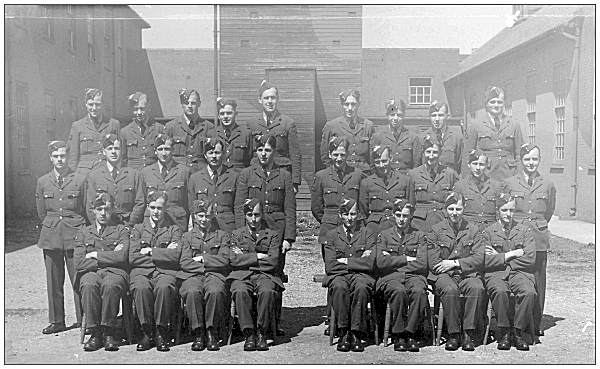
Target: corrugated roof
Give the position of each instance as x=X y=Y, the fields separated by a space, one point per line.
x=535 y=25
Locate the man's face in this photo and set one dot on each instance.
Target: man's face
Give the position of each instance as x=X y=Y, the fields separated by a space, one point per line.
x=432 y=155
x=202 y=219
x=455 y=212
x=58 y=158
x=396 y=119
x=382 y=164
x=438 y=118
x=139 y=111
x=227 y=115
x=269 y=100
x=403 y=218
x=349 y=218
x=214 y=157
x=193 y=104
x=102 y=213
x=478 y=166
x=156 y=209
x=94 y=107
x=350 y=107
x=531 y=161
x=112 y=153
x=338 y=158
x=506 y=211
x=254 y=217
x=265 y=154
x=495 y=106
x=164 y=153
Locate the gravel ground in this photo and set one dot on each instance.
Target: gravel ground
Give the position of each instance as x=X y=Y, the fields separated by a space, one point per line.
x=569 y=318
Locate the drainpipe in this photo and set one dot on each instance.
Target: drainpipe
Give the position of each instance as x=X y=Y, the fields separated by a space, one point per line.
x=216 y=57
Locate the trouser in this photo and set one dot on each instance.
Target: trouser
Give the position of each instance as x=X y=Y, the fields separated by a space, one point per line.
x=205 y=298
x=449 y=291
x=154 y=297
x=541 y=259
x=523 y=287
x=408 y=302
x=55 y=261
x=265 y=289
x=101 y=293
x=350 y=295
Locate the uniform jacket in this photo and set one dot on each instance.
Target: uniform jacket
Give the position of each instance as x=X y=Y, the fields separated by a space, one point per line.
x=85 y=141
x=287 y=152
x=451 y=147
x=376 y=200
x=444 y=244
x=520 y=236
x=175 y=184
x=88 y=240
x=405 y=150
x=202 y=187
x=430 y=193
x=276 y=193
x=533 y=204
x=479 y=206
x=337 y=246
x=127 y=190
x=137 y=148
x=501 y=146
x=328 y=190
x=188 y=142
x=359 y=140
x=238 y=149
x=61 y=209
x=394 y=266
x=246 y=264
x=213 y=247
x=162 y=259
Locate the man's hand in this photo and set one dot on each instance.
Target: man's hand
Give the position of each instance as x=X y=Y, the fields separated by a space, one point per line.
x=260 y=255
x=198 y=258
x=444 y=266
x=366 y=254
x=385 y=253
x=119 y=247
x=410 y=258
x=489 y=250
x=173 y=245
x=295 y=186
x=92 y=255
x=236 y=250
x=286 y=246
x=514 y=254
x=146 y=251
x=343 y=261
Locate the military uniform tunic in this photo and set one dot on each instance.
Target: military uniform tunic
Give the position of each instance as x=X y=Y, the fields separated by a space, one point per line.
x=137 y=147
x=451 y=146
x=104 y=280
x=188 y=140
x=85 y=142
x=479 y=203
x=358 y=138
x=405 y=148
x=238 y=149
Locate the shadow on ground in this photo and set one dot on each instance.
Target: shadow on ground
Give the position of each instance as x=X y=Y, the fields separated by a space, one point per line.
x=549 y=321
x=20 y=233
x=294 y=320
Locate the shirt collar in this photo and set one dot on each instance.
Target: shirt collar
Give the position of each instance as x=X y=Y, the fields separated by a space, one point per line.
x=56 y=174
x=211 y=173
x=110 y=167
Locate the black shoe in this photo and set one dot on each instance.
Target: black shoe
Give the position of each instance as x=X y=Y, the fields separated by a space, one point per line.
x=400 y=344
x=504 y=342
x=539 y=332
x=279 y=332
x=161 y=343
x=520 y=343
x=54 y=328
x=144 y=344
x=213 y=343
x=412 y=345
x=356 y=345
x=76 y=325
x=250 y=344
x=111 y=343
x=467 y=342
x=93 y=344
x=261 y=342
x=199 y=343
x=326 y=331
x=452 y=343
x=344 y=342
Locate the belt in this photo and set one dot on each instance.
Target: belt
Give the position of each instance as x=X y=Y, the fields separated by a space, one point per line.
x=268 y=208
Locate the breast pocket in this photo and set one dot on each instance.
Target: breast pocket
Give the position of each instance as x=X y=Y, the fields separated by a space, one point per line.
x=421 y=193
x=255 y=190
x=352 y=192
x=509 y=142
x=485 y=142
x=126 y=196
x=227 y=196
x=331 y=197
x=376 y=201
x=239 y=153
x=214 y=250
x=541 y=201
x=179 y=146
x=48 y=198
x=363 y=146
x=281 y=139
x=88 y=145
x=133 y=148
x=202 y=194
x=277 y=194
x=175 y=192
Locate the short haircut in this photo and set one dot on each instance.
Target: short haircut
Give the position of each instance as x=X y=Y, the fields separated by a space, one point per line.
x=337 y=141
x=436 y=106
x=347 y=93
x=155 y=195
x=221 y=103
x=211 y=143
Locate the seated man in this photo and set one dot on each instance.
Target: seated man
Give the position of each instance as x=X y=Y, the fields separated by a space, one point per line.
x=456 y=265
x=254 y=259
x=204 y=268
x=509 y=266
x=100 y=255
x=402 y=266
x=154 y=257
x=349 y=263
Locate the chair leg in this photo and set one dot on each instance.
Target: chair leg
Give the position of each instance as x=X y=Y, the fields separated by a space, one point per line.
x=332 y=326
x=231 y=318
x=489 y=322
x=386 y=326
x=83 y=328
x=440 y=324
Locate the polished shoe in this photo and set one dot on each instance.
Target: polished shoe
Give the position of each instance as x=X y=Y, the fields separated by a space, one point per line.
x=356 y=345
x=520 y=343
x=54 y=328
x=93 y=344
x=144 y=344
x=467 y=342
x=279 y=332
x=539 y=332
x=261 y=342
x=213 y=342
x=326 y=331
x=161 y=343
x=199 y=343
x=344 y=342
x=250 y=344
x=412 y=345
x=76 y=325
x=400 y=344
x=504 y=342
x=111 y=343
x=452 y=343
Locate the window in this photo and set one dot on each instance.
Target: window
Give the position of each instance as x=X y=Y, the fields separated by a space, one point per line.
x=530 y=97
x=47 y=16
x=559 y=86
x=419 y=90
x=50 y=113
x=108 y=25
x=22 y=127
x=119 y=49
x=91 y=47
x=72 y=29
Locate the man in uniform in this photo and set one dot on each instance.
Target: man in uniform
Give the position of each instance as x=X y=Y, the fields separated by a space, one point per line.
x=154 y=256
x=404 y=144
x=204 y=268
x=357 y=130
x=122 y=183
x=450 y=141
x=238 y=150
x=101 y=254
x=272 y=123
x=189 y=131
x=167 y=175
x=85 y=137
x=60 y=202
x=138 y=136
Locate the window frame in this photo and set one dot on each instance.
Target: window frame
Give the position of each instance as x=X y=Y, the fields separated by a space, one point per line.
x=423 y=95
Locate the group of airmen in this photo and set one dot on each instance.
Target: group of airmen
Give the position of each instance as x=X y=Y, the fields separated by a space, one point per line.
x=205 y=213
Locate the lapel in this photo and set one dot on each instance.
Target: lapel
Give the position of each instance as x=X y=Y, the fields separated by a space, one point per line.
x=276 y=120
x=333 y=174
x=463 y=231
x=273 y=173
x=123 y=172
x=440 y=174
x=184 y=125
x=513 y=231
x=69 y=175
x=171 y=170
x=396 y=237
x=402 y=137
x=537 y=182
x=523 y=182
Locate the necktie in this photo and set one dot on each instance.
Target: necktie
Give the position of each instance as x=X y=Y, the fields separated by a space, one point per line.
x=497 y=122
x=352 y=124
x=114 y=173
x=215 y=177
x=265 y=172
x=530 y=181
x=60 y=180
x=439 y=138
x=163 y=172
x=348 y=235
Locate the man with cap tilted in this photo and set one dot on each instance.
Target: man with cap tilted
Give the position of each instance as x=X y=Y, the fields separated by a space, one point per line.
x=60 y=202
x=237 y=139
x=122 y=183
x=138 y=136
x=449 y=140
x=85 y=137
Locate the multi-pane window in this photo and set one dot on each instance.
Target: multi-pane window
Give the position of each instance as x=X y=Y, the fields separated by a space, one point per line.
x=50 y=113
x=47 y=16
x=559 y=86
x=22 y=126
x=419 y=90
x=91 y=47
x=72 y=28
x=530 y=98
x=108 y=25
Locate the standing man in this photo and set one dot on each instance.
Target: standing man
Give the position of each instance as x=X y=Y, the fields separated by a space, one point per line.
x=237 y=138
x=138 y=136
x=404 y=144
x=60 y=202
x=85 y=138
x=450 y=141
x=189 y=131
x=123 y=184
x=272 y=123
x=358 y=132
x=166 y=175
x=535 y=200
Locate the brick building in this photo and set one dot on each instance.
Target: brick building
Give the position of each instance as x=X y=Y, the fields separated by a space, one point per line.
x=546 y=64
